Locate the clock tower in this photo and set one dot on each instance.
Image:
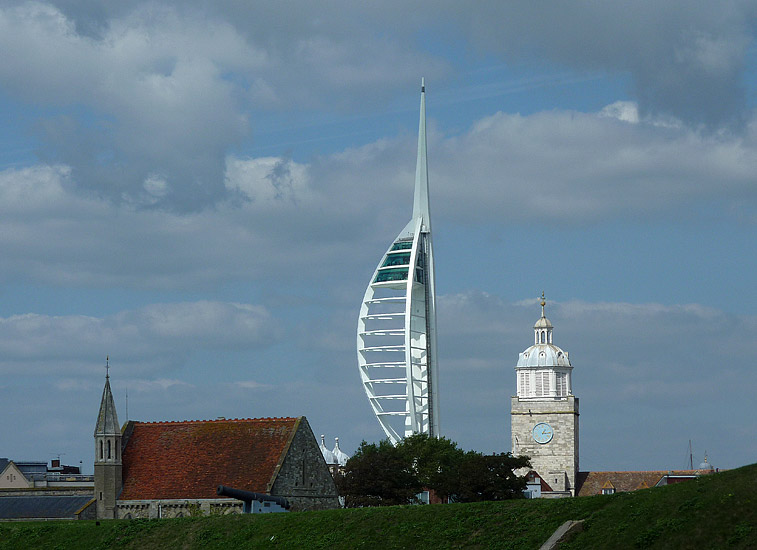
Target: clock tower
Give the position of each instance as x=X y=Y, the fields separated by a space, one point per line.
x=544 y=413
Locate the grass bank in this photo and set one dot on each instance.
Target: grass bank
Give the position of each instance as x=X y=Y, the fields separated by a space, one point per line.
x=717 y=511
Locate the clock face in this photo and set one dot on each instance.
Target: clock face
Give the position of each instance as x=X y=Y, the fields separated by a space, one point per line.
x=542 y=433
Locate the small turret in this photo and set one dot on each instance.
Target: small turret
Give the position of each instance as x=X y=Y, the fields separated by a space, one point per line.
x=108 y=466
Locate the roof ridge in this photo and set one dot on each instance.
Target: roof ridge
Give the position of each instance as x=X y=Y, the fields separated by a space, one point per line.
x=220 y=420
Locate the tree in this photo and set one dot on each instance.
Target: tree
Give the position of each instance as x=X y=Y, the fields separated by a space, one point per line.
x=435 y=462
x=382 y=474
x=378 y=475
x=490 y=477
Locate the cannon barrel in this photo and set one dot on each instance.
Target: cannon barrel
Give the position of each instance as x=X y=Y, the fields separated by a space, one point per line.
x=249 y=496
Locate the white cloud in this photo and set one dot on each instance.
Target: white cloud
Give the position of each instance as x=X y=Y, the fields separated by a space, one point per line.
x=250 y=385
x=150 y=339
x=566 y=167
x=626 y=111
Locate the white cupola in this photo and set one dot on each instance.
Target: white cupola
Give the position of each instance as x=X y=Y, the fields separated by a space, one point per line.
x=544 y=370
x=328 y=456
x=340 y=455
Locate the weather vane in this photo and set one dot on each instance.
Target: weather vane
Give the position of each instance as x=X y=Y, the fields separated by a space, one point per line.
x=107 y=366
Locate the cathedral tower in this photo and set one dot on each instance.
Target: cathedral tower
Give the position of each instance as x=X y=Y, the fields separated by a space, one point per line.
x=544 y=413
x=108 y=468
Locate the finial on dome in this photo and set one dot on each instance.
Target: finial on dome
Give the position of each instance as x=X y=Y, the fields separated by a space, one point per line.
x=543 y=303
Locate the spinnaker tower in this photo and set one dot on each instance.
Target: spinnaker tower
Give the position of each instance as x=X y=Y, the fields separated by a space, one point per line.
x=396 y=332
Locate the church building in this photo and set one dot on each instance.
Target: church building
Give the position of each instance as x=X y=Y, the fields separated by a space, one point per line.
x=172 y=469
x=544 y=413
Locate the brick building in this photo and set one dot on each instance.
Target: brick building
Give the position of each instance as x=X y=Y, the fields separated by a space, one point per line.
x=172 y=469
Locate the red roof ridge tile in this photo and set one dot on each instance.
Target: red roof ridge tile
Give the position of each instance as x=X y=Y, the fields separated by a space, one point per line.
x=174 y=422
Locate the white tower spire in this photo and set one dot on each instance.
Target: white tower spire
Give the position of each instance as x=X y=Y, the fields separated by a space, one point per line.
x=396 y=334
x=420 y=200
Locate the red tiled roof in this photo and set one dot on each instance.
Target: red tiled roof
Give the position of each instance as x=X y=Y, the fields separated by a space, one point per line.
x=163 y=460
x=591 y=483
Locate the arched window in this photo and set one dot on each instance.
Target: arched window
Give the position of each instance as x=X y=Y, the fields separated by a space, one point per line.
x=101 y=449
x=108 y=449
x=542 y=336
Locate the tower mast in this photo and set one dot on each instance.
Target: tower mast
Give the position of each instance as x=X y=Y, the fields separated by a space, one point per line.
x=396 y=337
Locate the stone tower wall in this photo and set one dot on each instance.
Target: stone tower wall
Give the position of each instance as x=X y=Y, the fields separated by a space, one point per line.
x=556 y=461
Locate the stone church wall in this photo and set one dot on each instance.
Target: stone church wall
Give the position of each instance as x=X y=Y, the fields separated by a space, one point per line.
x=304 y=478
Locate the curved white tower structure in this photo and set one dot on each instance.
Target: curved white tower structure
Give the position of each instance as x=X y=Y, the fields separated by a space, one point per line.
x=396 y=330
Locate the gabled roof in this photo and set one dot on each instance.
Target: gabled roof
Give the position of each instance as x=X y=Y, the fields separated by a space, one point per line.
x=592 y=483
x=165 y=460
x=107 y=419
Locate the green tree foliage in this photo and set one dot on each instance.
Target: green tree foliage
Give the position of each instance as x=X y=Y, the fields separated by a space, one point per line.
x=490 y=477
x=436 y=462
x=381 y=474
x=378 y=475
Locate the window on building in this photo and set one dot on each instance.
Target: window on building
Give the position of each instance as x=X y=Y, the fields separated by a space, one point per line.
x=542 y=383
x=101 y=449
x=562 y=384
x=524 y=380
x=108 y=446
x=608 y=491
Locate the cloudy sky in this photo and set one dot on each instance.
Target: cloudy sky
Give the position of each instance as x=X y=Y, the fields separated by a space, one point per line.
x=202 y=193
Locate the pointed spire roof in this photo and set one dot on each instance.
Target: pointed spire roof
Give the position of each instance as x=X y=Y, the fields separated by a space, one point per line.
x=107 y=419
x=420 y=200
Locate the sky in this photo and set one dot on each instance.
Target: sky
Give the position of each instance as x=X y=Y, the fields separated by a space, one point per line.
x=202 y=192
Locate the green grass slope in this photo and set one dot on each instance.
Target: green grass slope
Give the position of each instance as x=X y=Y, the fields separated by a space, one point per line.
x=717 y=511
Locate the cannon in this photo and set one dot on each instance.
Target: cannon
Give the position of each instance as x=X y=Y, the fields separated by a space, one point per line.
x=255 y=503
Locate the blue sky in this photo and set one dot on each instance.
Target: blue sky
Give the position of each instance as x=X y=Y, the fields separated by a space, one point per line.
x=202 y=193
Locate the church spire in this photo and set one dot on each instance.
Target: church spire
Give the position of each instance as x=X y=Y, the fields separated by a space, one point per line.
x=108 y=465
x=420 y=201
x=107 y=419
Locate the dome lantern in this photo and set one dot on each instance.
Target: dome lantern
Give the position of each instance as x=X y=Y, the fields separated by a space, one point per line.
x=544 y=370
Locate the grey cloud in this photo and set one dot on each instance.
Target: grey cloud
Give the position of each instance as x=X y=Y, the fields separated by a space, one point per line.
x=163 y=92
x=569 y=168
x=148 y=93
x=151 y=339
x=576 y=168
x=685 y=59
x=148 y=98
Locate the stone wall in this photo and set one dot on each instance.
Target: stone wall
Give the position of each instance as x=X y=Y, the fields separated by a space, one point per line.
x=176 y=508
x=556 y=461
x=303 y=477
